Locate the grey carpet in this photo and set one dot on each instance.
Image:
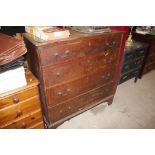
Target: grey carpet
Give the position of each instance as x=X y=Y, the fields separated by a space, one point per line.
x=133 y=107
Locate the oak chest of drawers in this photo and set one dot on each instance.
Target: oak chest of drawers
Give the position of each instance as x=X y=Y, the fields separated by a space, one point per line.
x=75 y=73
x=149 y=62
x=21 y=108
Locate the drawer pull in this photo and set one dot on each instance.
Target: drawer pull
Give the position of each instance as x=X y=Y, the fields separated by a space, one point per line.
x=141 y=52
x=60 y=93
x=103 y=76
x=107 y=89
x=69 y=107
x=24 y=125
x=56 y=54
x=107 y=43
x=125 y=77
x=15 y=99
x=65 y=93
x=58 y=74
x=19 y=113
x=127 y=66
x=67 y=52
x=114 y=42
x=108 y=74
x=106 y=53
x=129 y=56
x=89 y=44
x=60 y=111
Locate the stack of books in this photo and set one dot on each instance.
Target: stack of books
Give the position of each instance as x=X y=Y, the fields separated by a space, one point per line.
x=12 y=72
x=47 y=33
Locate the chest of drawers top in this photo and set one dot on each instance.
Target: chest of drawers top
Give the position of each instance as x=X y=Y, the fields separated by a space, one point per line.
x=74 y=36
x=78 y=45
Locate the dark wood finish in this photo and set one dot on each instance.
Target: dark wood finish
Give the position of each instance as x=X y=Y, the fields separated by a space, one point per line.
x=149 y=59
x=133 y=61
x=80 y=102
x=21 y=108
x=75 y=73
x=73 y=88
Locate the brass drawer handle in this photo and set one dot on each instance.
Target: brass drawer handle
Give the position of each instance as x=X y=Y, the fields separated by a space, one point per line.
x=65 y=93
x=107 y=43
x=69 y=107
x=58 y=74
x=108 y=76
x=107 y=89
x=103 y=76
x=61 y=111
x=67 y=52
x=89 y=43
x=15 y=99
x=106 y=53
x=56 y=54
x=19 y=113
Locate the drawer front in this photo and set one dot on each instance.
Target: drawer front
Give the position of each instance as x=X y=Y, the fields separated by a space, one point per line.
x=25 y=122
x=17 y=111
x=140 y=53
x=60 y=52
x=132 y=65
x=39 y=125
x=129 y=75
x=18 y=97
x=74 y=105
x=56 y=74
x=69 y=90
x=128 y=57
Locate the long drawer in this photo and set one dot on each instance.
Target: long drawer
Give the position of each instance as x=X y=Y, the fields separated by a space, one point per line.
x=26 y=121
x=71 y=70
x=39 y=125
x=64 y=51
x=17 y=111
x=133 y=55
x=17 y=97
x=66 y=91
x=132 y=65
x=65 y=109
x=129 y=75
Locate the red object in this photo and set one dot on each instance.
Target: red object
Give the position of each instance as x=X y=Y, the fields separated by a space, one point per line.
x=125 y=30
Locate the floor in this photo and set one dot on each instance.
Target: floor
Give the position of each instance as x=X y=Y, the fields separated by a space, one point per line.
x=133 y=107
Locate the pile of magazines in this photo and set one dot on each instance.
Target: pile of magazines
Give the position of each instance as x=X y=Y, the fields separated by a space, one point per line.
x=47 y=33
x=12 y=72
